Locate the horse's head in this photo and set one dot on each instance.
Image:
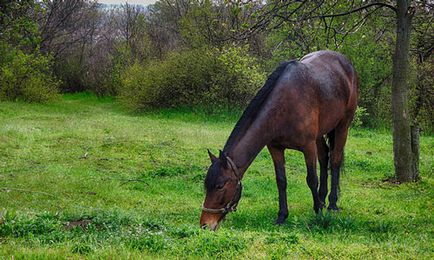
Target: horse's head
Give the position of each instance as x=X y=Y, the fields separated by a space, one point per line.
x=223 y=190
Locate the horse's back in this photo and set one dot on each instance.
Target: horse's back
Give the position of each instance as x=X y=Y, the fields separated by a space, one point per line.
x=333 y=77
x=329 y=58
x=319 y=91
x=330 y=69
x=335 y=81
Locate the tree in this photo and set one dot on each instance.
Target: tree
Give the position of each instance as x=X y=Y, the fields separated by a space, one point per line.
x=402 y=149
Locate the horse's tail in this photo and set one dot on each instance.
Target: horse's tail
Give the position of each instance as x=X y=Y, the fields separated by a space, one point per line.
x=330 y=139
x=331 y=144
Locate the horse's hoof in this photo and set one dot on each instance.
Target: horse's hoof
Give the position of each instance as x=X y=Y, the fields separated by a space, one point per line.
x=318 y=209
x=333 y=208
x=280 y=220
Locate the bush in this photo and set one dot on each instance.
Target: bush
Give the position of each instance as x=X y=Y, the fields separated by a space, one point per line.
x=190 y=78
x=240 y=77
x=360 y=116
x=26 y=77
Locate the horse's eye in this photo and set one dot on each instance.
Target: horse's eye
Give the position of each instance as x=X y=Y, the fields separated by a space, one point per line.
x=219 y=186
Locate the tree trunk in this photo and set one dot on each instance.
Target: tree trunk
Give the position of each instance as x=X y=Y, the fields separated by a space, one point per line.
x=402 y=149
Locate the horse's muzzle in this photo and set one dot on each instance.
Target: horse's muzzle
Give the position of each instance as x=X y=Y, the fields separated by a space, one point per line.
x=210 y=220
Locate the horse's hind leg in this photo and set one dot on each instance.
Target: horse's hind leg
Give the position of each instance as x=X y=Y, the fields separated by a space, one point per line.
x=323 y=157
x=336 y=156
x=310 y=156
x=279 y=165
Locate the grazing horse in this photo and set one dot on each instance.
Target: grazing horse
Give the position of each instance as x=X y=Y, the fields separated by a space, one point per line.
x=300 y=105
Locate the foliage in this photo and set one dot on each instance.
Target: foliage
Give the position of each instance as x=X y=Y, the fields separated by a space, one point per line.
x=204 y=76
x=26 y=77
x=368 y=48
x=83 y=178
x=72 y=73
x=17 y=23
x=373 y=64
x=422 y=94
x=25 y=73
x=238 y=77
x=359 y=116
x=98 y=49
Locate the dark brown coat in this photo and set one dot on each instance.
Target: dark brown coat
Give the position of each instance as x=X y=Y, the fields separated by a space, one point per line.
x=301 y=103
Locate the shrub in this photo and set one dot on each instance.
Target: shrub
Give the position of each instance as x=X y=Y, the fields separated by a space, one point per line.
x=239 y=78
x=195 y=77
x=360 y=116
x=26 y=77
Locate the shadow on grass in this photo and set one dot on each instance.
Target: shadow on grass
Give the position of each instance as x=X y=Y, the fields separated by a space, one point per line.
x=325 y=223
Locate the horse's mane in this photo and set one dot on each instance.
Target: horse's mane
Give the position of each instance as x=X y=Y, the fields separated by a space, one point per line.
x=253 y=108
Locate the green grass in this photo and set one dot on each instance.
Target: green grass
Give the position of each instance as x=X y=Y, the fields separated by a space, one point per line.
x=84 y=178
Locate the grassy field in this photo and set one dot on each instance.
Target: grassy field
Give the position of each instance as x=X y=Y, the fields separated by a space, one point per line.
x=84 y=178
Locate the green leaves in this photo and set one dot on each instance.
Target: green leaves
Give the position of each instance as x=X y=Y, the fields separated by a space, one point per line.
x=204 y=76
x=26 y=77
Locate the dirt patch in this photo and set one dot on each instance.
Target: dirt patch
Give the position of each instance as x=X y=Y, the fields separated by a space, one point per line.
x=82 y=223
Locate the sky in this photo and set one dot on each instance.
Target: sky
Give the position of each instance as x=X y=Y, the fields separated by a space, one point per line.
x=141 y=2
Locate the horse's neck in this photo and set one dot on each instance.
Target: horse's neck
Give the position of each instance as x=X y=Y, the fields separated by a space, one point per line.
x=248 y=146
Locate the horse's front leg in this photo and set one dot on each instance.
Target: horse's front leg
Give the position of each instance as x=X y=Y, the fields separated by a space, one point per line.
x=310 y=156
x=279 y=165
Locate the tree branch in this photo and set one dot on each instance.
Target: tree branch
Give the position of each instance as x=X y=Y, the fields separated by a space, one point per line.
x=356 y=10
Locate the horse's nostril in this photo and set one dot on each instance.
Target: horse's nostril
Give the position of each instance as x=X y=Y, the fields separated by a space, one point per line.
x=204 y=226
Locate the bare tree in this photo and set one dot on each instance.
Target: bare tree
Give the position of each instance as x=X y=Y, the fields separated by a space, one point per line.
x=66 y=24
x=163 y=21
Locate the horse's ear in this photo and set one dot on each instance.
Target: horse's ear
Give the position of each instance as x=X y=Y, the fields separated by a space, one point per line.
x=223 y=158
x=211 y=156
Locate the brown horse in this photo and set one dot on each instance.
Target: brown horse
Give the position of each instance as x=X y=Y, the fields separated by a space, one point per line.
x=301 y=103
